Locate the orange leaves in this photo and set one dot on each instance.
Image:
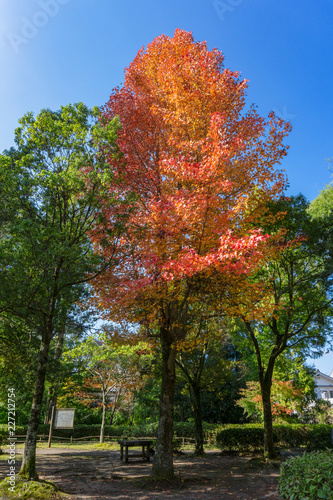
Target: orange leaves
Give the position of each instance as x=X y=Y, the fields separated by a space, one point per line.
x=199 y=169
x=179 y=75
x=185 y=84
x=285 y=398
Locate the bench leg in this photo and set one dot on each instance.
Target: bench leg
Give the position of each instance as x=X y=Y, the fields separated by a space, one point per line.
x=126 y=453
x=121 y=452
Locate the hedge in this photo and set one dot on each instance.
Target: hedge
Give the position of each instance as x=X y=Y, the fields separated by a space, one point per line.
x=228 y=437
x=308 y=477
x=250 y=437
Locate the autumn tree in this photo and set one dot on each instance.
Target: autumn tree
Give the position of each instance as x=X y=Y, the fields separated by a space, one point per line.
x=47 y=255
x=286 y=400
x=198 y=168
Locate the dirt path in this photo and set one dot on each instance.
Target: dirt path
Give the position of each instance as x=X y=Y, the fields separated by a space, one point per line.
x=99 y=475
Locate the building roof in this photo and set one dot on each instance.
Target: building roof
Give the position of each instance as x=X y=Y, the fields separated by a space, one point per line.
x=326 y=377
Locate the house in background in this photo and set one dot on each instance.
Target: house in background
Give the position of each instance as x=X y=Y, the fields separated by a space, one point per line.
x=324 y=385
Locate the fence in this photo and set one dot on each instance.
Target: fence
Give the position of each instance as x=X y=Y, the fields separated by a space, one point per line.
x=44 y=437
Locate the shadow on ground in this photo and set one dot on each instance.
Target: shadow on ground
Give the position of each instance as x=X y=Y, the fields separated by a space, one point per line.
x=99 y=475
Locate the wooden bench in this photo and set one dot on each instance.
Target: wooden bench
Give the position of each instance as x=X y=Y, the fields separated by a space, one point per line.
x=144 y=443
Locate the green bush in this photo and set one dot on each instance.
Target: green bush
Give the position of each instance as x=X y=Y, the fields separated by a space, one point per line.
x=309 y=477
x=250 y=437
x=245 y=437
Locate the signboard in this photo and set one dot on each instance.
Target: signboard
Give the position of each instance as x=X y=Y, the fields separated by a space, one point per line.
x=64 y=418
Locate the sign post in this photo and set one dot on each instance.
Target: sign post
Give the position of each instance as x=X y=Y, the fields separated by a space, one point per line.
x=61 y=418
x=51 y=425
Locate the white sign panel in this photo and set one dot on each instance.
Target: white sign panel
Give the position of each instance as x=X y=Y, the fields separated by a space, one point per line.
x=64 y=418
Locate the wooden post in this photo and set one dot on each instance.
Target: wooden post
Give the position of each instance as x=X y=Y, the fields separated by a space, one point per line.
x=51 y=425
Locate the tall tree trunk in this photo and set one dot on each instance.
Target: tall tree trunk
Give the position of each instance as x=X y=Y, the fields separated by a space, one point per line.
x=28 y=467
x=196 y=401
x=269 y=451
x=265 y=379
x=102 y=433
x=163 y=459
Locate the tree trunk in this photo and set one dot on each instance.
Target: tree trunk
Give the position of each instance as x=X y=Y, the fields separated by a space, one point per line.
x=53 y=390
x=115 y=402
x=28 y=467
x=101 y=436
x=196 y=399
x=51 y=402
x=112 y=412
x=269 y=451
x=48 y=411
x=163 y=459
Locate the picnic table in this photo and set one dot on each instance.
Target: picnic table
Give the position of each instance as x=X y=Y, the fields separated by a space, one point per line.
x=128 y=443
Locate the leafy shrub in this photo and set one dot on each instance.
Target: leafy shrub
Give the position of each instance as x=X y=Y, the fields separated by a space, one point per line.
x=246 y=437
x=308 y=477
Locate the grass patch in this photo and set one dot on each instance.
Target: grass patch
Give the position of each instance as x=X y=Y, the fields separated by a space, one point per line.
x=106 y=446
x=6 y=456
x=27 y=490
x=91 y=446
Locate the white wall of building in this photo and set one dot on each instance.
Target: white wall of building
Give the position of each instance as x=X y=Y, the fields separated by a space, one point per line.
x=324 y=385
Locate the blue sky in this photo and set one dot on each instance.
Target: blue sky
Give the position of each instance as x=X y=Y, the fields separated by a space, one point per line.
x=55 y=52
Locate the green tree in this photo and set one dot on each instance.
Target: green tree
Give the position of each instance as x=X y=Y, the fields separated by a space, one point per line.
x=47 y=256
x=110 y=370
x=322 y=206
x=321 y=212
x=205 y=366
x=18 y=348
x=295 y=300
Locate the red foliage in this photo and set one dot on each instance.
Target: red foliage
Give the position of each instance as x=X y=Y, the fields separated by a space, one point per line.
x=194 y=173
